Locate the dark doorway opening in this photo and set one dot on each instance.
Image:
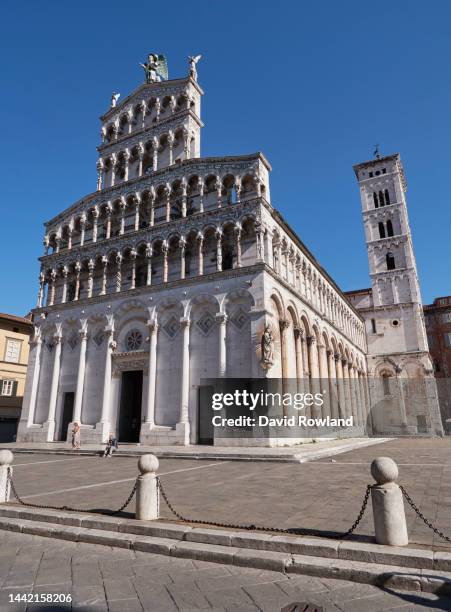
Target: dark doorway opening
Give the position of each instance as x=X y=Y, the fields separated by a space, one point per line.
x=8 y=429
x=130 y=406
x=205 y=431
x=66 y=417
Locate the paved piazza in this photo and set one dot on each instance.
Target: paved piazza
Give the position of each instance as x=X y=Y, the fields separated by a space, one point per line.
x=100 y=578
x=324 y=495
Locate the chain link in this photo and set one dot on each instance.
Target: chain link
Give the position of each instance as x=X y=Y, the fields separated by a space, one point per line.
x=9 y=480
x=418 y=512
x=298 y=531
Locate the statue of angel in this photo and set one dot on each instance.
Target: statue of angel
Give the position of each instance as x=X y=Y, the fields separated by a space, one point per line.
x=267 y=348
x=192 y=65
x=114 y=98
x=156 y=68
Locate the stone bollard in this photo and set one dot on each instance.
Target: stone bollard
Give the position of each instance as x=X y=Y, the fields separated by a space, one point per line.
x=6 y=459
x=147 y=489
x=388 y=506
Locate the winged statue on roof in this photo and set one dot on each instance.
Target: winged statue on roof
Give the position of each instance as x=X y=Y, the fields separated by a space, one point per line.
x=156 y=68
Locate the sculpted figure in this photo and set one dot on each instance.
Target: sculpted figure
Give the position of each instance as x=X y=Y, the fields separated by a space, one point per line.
x=156 y=68
x=192 y=65
x=267 y=347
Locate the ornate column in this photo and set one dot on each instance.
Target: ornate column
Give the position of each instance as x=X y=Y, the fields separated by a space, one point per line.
x=77 y=281
x=50 y=423
x=157 y=109
x=118 y=272
x=238 y=246
x=122 y=206
x=184 y=198
x=186 y=144
x=182 y=258
x=201 y=194
x=104 y=274
x=164 y=250
x=260 y=246
x=82 y=230
x=110 y=345
x=222 y=320
x=324 y=379
x=218 y=251
x=340 y=386
x=127 y=164
x=352 y=394
x=183 y=424
x=137 y=203
x=348 y=406
x=51 y=295
x=113 y=168
x=133 y=255
x=41 y=289
x=200 y=244
x=108 y=220
x=81 y=372
x=237 y=186
x=64 y=273
x=171 y=147
x=143 y=108
x=151 y=380
x=140 y=159
x=95 y=218
x=298 y=332
x=155 y=146
x=100 y=167
x=152 y=210
x=305 y=364
x=359 y=399
x=91 y=265
x=37 y=344
x=168 y=202
x=149 y=265
x=333 y=389
x=314 y=368
x=69 y=237
x=57 y=243
x=218 y=186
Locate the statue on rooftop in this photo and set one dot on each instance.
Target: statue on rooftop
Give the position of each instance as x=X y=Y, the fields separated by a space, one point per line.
x=156 y=68
x=192 y=65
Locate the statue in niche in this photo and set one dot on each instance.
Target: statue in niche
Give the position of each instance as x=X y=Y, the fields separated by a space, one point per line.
x=267 y=347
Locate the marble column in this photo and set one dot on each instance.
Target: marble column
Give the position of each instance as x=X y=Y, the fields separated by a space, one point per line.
x=164 y=250
x=222 y=319
x=340 y=387
x=333 y=390
x=54 y=387
x=51 y=296
x=104 y=274
x=77 y=281
x=184 y=395
x=168 y=204
x=200 y=243
x=305 y=363
x=95 y=219
x=149 y=265
x=152 y=212
x=122 y=217
x=80 y=376
x=37 y=342
x=41 y=290
x=151 y=382
x=137 y=203
x=201 y=195
x=298 y=351
x=108 y=223
x=238 y=246
x=314 y=368
x=182 y=259
x=110 y=345
x=133 y=255
x=82 y=230
x=90 y=277
x=348 y=404
x=218 y=251
x=324 y=379
x=118 y=272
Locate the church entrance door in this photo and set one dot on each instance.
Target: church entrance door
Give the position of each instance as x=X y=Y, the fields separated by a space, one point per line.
x=130 y=406
x=66 y=417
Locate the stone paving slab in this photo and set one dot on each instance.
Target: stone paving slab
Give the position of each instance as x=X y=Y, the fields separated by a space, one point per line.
x=126 y=580
x=322 y=495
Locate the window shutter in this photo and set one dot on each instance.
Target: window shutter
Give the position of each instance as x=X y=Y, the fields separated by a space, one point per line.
x=14 y=391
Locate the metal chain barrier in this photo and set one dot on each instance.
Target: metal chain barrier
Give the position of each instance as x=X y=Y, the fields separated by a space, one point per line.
x=418 y=512
x=299 y=531
x=10 y=482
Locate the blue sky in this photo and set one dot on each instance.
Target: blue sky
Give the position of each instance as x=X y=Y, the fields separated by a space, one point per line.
x=314 y=85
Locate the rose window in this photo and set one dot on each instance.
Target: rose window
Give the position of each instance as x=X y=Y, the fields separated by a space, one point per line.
x=134 y=340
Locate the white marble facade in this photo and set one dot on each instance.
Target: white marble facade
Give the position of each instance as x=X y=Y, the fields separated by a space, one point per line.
x=172 y=269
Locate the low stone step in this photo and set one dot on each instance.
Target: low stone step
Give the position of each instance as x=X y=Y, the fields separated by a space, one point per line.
x=392 y=576
x=328 y=548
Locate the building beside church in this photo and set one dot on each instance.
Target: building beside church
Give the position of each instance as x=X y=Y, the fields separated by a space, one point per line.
x=177 y=268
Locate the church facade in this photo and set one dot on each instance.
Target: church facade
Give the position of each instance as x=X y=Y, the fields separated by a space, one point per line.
x=176 y=267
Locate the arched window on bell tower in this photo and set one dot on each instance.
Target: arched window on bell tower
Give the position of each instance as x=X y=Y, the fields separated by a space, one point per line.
x=381 y=230
x=387 y=197
x=390 y=259
x=389 y=228
x=376 y=201
x=381 y=199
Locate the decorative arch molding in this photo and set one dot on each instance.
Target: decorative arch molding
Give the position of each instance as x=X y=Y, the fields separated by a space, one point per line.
x=125 y=308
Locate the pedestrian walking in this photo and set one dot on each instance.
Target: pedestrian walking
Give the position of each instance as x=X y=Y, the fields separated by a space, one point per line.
x=76 y=442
